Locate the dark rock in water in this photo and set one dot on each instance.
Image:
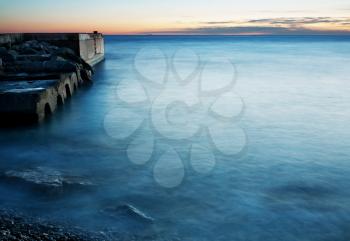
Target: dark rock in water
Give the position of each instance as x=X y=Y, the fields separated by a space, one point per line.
x=87 y=66
x=47 y=177
x=129 y=211
x=86 y=75
x=39 y=176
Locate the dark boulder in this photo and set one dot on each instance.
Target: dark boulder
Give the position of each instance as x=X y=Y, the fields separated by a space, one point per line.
x=127 y=211
x=43 y=57
x=51 y=66
x=7 y=56
x=13 y=52
x=51 y=49
x=62 y=66
x=31 y=44
x=86 y=75
x=34 y=57
x=69 y=54
x=25 y=66
x=29 y=50
x=44 y=176
x=3 y=51
x=65 y=52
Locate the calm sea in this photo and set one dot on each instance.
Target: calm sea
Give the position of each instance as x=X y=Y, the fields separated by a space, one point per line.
x=271 y=162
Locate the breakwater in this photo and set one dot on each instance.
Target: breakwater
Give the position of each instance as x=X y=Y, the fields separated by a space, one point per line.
x=38 y=72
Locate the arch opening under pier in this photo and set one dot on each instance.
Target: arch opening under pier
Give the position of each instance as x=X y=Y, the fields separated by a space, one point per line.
x=48 y=110
x=68 y=92
x=59 y=100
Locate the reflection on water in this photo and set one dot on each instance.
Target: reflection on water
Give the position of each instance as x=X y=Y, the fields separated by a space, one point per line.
x=289 y=181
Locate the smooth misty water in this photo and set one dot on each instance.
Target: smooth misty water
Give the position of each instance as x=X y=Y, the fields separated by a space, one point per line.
x=289 y=183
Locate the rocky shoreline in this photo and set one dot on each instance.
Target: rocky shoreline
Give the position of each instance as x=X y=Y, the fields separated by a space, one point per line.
x=16 y=226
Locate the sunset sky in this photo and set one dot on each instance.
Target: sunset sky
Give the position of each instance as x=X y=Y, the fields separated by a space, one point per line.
x=177 y=17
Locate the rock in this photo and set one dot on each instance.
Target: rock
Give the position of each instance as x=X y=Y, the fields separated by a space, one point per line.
x=69 y=54
x=47 y=177
x=16 y=47
x=14 y=226
x=50 y=66
x=43 y=57
x=3 y=51
x=61 y=66
x=127 y=210
x=13 y=52
x=41 y=176
x=31 y=42
x=65 y=52
x=40 y=58
x=29 y=50
x=7 y=56
x=51 y=49
x=25 y=66
x=87 y=66
x=86 y=75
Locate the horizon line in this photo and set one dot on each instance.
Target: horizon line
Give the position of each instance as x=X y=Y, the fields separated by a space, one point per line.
x=180 y=34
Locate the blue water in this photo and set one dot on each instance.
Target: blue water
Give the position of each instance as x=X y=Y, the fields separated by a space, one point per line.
x=289 y=180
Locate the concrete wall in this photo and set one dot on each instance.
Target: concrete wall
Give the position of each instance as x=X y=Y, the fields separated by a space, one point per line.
x=22 y=101
x=91 y=45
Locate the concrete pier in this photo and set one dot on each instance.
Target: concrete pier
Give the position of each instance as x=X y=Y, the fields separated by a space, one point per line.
x=30 y=97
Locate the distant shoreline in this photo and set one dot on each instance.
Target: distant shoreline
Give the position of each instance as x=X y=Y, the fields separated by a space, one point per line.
x=199 y=35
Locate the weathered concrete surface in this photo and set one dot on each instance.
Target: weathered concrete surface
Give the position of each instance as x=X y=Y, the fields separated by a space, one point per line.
x=91 y=47
x=32 y=101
